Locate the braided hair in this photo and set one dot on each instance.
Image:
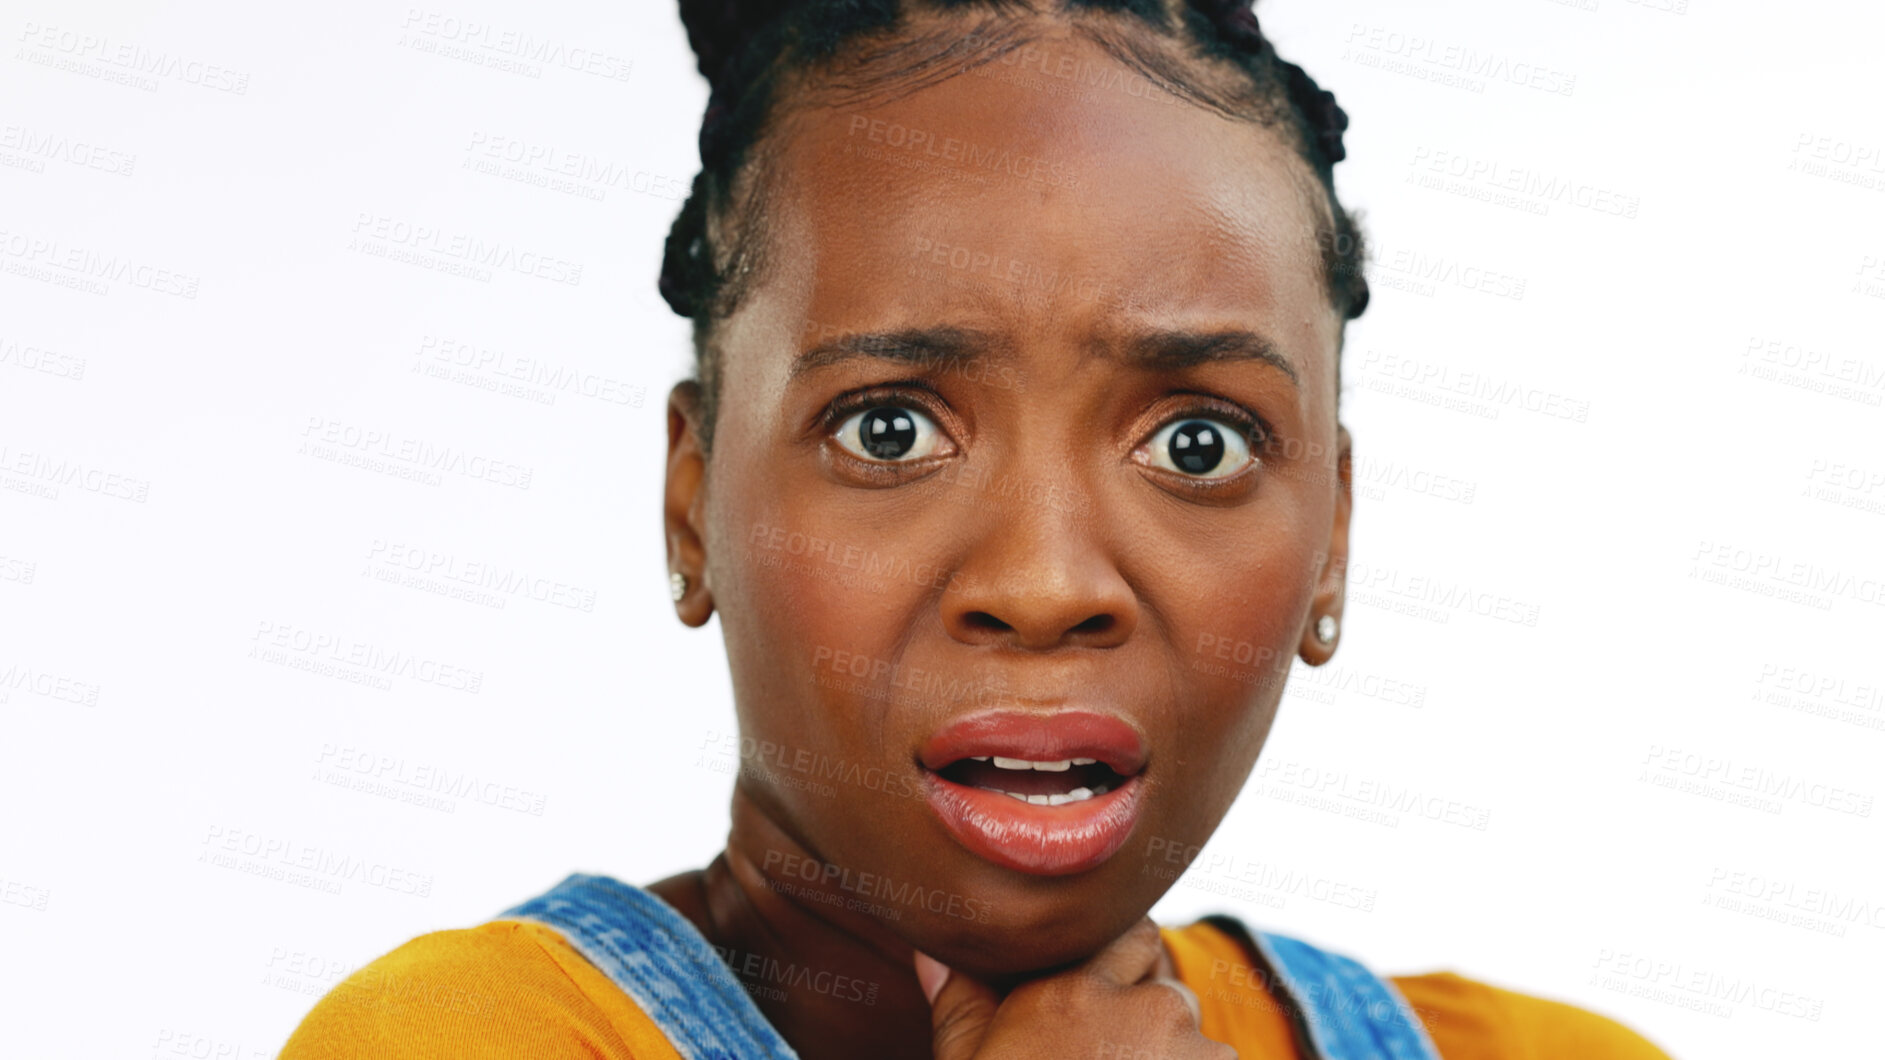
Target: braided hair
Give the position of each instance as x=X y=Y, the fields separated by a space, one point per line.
x=746 y=48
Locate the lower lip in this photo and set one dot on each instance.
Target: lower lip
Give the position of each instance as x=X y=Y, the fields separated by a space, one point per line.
x=1040 y=840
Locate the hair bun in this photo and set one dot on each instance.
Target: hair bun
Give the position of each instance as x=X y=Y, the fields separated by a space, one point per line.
x=1327 y=120
x=1235 y=21
x=718 y=28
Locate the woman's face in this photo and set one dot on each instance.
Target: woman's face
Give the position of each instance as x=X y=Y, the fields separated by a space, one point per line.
x=1058 y=304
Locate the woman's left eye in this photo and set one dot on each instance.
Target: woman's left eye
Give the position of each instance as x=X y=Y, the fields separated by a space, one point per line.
x=1201 y=447
x=889 y=433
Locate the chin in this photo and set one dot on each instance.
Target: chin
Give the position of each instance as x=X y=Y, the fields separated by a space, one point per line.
x=1034 y=925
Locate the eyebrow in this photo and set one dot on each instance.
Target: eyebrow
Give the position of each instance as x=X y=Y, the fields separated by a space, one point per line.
x=1157 y=350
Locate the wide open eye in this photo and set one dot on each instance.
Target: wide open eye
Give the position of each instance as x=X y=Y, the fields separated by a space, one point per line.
x=1200 y=447
x=889 y=433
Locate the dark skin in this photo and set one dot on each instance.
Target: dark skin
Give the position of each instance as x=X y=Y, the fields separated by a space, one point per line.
x=1037 y=547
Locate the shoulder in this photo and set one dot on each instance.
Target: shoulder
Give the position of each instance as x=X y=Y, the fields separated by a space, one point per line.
x=1466 y=1019
x=1469 y=1020
x=1234 y=991
x=502 y=989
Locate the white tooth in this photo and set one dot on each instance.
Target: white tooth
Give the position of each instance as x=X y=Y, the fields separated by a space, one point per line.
x=1038 y=800
x=1079 y=794
x=1084 y=761
x=1053 y=767
x=1059 y=800
x=1014 y=795
x=1012 y=763
x=978 y=758
x=1101 y=790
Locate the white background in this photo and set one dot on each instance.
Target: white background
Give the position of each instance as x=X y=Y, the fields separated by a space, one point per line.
x=1677 y=425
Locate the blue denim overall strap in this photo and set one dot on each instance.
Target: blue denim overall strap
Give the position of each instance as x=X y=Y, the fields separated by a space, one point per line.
x=1342 y=1011
x=661 y=961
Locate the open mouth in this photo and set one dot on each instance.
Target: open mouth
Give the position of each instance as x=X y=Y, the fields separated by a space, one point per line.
x=1046 y=794
x=1048 y=783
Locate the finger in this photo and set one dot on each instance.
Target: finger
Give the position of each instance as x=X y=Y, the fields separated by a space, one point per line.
x=1166 y=968
x=1185 y=992
x=1132 y=956
x=960 y=1008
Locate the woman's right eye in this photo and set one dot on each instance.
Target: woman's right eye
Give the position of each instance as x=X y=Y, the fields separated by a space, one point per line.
x=889 y=434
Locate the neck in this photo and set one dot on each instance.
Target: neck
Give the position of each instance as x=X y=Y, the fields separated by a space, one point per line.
x=833 y=981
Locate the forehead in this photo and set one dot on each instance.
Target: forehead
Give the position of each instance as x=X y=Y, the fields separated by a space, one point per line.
x=1057 y=194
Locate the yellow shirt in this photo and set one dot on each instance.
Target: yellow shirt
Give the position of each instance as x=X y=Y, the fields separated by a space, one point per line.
x=514 y=988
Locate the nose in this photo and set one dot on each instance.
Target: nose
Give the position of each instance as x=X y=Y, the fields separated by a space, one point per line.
x=1039 y=576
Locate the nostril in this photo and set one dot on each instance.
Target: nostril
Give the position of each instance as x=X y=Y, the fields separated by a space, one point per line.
x=1096 y=624
x=986 y=621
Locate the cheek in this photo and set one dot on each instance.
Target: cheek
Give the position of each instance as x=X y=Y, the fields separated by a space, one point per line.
x=806 y=607
x=1242 y=633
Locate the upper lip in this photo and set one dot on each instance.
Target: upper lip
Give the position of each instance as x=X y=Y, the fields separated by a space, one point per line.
x=1047 y=736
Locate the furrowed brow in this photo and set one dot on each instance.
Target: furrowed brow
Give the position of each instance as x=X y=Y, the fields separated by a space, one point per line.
x=1176 y=350
x=918 y=347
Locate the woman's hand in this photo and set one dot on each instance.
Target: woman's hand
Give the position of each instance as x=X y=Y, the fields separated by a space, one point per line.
x=1125 y=1002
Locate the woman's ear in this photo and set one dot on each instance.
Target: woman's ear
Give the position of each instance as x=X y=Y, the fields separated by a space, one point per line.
x=1322 y=630
x=685 y=498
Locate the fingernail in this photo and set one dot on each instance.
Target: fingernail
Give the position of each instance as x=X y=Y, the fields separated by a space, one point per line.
x=932 y=973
